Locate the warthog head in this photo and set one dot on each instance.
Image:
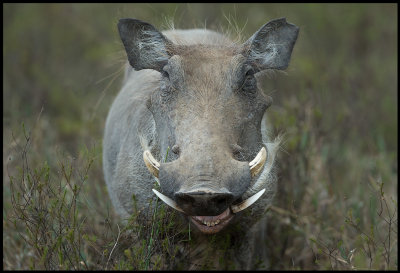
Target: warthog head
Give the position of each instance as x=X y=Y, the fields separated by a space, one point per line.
x=208 y=110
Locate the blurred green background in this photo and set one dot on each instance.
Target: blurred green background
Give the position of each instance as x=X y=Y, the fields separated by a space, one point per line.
x=336 y=105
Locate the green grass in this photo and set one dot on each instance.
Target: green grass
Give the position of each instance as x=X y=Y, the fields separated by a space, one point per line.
x=336 y=106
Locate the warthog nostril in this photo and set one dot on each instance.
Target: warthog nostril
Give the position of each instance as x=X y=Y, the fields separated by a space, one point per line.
x=187 y=199
x=202 y=203
x=220 y=200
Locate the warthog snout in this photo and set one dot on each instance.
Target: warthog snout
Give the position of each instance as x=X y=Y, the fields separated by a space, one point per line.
x=196 y=194
x=204 y=202
x=205 y=186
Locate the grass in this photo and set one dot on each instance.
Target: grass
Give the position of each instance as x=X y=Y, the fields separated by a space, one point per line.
x=52 y=216
x=336 y=106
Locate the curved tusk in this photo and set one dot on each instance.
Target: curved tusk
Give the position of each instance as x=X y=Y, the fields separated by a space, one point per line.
x=247 y=203
x=168 y=201
x=257 y=164
x=151 y=164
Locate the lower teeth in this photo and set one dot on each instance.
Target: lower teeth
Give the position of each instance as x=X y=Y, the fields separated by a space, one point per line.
x=211 y=223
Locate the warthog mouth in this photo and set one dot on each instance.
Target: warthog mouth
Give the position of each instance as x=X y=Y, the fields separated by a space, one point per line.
x=214 y=224
x=211 y=224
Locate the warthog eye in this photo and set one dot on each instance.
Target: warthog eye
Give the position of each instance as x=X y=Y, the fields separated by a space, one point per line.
x=165 y=74
x=249 y=85
x=165 y=83
x=250 y=72
x=164 y=71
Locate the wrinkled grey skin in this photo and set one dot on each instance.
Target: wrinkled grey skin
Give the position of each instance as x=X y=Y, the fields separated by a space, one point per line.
x=196 y=92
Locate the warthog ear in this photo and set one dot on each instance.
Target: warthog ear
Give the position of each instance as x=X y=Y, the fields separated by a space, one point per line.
x=145 y=46
x=271 y=46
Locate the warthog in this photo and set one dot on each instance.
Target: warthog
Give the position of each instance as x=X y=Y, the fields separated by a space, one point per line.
x=195 y=93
